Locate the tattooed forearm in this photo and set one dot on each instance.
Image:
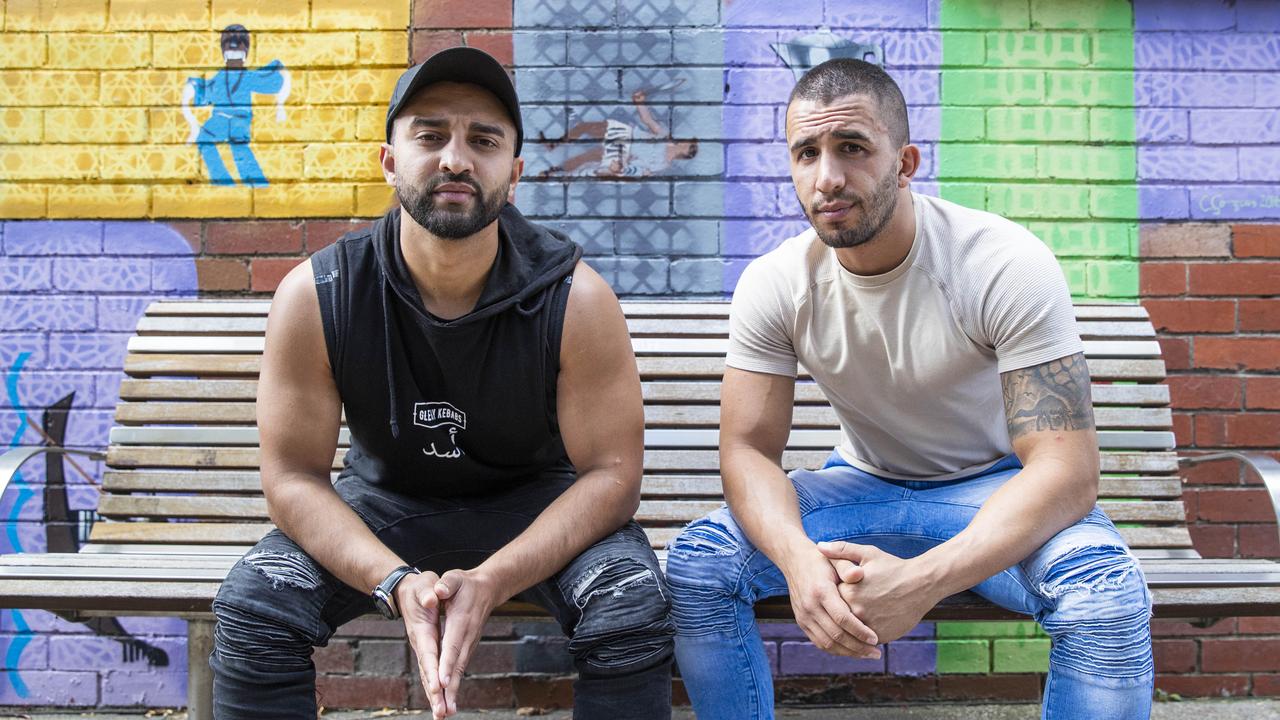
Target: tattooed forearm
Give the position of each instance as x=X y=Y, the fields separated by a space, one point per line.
x=1053 y=396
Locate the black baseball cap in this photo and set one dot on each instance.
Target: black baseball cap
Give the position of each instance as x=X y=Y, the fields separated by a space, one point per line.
x=464 y=65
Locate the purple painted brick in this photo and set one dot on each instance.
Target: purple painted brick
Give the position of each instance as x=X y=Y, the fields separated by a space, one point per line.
x=903 y=14
x=1260 y=163
x=1163 y=202
x=32 y=345
x=52 y=237
x=733 y=268
x=751 y=238
x=1187 y=163
x=82 y=496
x=52 y=687
x=1162 y=125
x=1153 y=50
x=1228 y=51
x=923 y=630
x=764 y=13
x=175 y=277
x=1235 y=202
x=804 y=658
x=1258 y=15
x=925 y=123
x=1153 y=89
x=919 y=87
x=788 y=204
x=46 y=313
x=143 y=238
x=144 y=688
x=31 y=509
x=756 y=160
x=90 y=428
x=102 y=274
x=30 y=537
x=38 y=390
x=748 y=122
x=175 y=627
x=760 y=86
x=781 y=631
x=34 y=654
x=121 y=312
x=913 y=657
x=1228 y=127
x=90 y=351
x=40 y=621
x=771 y=654
x=1183 y=15
x=1212 y=90
x=913 y=49
x=932 y=189
x=1267 y=90
x=107 y=387
x=98 y=653
x=926 y=169
x=19 y=274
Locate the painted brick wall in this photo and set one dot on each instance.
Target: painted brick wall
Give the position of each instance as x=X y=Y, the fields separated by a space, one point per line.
x=1132 y=138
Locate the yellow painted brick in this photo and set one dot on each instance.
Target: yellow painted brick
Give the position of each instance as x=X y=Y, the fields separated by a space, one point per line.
x=169 y=16
x=365 y=15
x=373 y=200
x=21 y=125
x=316 y=49
x=95 y=125
x=342 y=161
x=37 y=88
x=150 y=162
x=384 y=48
x=371 y=123
x=48 y=162
x=143 y=87
x=322 y=123
x=258 y=15
x=23 y=200
x=80 y=200
x=22 y=50
x=197 y=201
x=99 y=51
x=280 y=162
x=186 y=50
x=55 y=15
x=167 y=126
x=351 y=87
x=303 y=200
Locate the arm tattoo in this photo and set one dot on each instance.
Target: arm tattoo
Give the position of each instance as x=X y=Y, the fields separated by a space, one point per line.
x=1053 y=396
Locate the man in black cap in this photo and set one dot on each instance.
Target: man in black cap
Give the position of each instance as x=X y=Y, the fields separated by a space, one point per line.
x=496 y=432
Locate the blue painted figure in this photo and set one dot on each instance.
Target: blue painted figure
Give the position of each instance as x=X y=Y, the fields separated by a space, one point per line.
x=230 y=92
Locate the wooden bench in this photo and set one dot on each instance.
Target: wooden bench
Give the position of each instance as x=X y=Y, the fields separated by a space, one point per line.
x=181 y=498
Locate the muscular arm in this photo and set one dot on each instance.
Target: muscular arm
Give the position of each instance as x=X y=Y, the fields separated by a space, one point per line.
x=755 y=422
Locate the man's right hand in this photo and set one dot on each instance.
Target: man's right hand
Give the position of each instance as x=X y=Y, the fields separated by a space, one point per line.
x=420 y=607
x=821 y=612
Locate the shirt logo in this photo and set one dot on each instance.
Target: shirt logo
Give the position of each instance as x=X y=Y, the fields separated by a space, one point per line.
x=434 y=415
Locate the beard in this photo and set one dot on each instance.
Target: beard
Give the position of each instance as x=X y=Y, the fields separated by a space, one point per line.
x=876 y=212
x=420 y=203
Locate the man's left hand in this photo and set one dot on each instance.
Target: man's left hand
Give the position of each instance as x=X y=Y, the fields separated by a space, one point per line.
x=467 y=598
x=890 y=596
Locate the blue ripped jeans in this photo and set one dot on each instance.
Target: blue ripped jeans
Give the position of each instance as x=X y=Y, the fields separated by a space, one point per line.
x=1083 y=587
x=277 y=603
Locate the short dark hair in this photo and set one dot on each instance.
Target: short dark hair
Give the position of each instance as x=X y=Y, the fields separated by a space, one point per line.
x=235 y=35
x=841 y=77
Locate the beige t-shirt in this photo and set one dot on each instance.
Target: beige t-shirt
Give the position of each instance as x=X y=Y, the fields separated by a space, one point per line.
x=910 y=360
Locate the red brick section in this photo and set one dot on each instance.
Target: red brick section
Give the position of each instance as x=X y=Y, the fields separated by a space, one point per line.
x=1213 y=292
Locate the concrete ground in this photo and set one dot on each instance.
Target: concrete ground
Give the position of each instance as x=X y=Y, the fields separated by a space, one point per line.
x=1248 y=709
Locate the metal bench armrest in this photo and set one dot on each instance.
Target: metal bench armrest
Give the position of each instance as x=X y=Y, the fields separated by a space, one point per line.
x=1266 y=466
x=11 y=461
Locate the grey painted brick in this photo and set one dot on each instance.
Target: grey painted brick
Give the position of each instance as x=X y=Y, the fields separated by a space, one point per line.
x=708 y=163
x=765 y=13
x=752 y=238
x=564 y=13
x=696 y=84
x=626 y=113
x=1163 y=202
x=539 y=48
x=699 y=47
x=700 y=121
x=102 y=274
x=653 y=13
x=143 y=238
x=1162 y=125
x=1212 y=90
x=1234 y=202
x=752 y=47
x=668 y=237
x=756 y=160
x=1227 y=127
x=541 y=199
x=606 y=266
x=587 y=198
x=1187 y=163
x=540 y=161
x=595 y=236
x=747 y=122
x=642 y=276
x=619 y=48
x=542 y=121
x=900 y=14
x=52 y=237
x=567 y=84
x=18 y=274
x=722 y=199
x=1260 y=163
x=912 y=49
x=759 y=86
x=1183 y=16
x=699 y=277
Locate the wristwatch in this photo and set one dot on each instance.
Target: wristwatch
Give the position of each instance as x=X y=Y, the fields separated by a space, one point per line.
x=384 y=595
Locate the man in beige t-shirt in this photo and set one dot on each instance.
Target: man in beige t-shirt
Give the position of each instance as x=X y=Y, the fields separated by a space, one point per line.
x=945 y=341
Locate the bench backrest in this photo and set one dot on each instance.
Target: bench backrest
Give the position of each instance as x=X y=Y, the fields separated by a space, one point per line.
x=182 y=463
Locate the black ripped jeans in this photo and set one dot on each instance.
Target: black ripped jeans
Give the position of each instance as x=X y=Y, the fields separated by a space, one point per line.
x=611 y=601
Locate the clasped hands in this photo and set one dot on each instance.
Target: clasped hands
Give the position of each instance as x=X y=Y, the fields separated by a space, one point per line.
x=457 y=603
x=849 y=598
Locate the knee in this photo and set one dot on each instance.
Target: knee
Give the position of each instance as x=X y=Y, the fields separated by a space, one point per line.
x=701 y=557
x=257 y=623
x=624 y=626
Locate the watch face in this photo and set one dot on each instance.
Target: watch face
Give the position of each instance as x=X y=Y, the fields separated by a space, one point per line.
x=381 y=601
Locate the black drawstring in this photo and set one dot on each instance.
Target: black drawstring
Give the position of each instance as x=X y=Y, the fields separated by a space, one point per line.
x=391 y=369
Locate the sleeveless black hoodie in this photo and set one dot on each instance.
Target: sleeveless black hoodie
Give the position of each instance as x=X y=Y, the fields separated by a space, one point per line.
x=442 y=408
